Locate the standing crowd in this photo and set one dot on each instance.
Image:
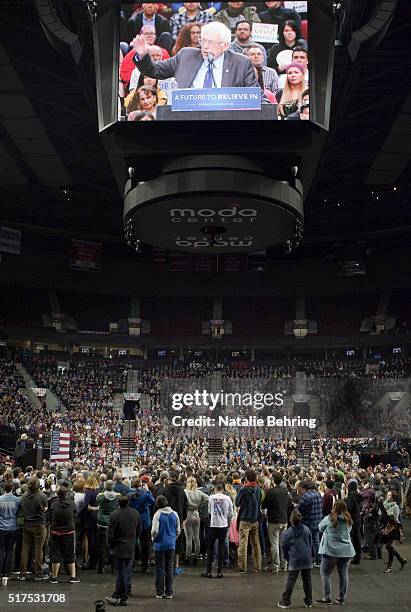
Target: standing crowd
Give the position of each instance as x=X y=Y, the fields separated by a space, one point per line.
x=289 y=518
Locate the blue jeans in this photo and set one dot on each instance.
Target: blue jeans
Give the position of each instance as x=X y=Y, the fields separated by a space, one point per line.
x=316 y=544
x=327 y=566
x=7 y=539
x=164 y=571
x=123 y=579
x=262 y=531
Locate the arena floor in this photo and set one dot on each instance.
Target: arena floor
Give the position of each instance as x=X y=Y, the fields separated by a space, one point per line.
x=369 y=590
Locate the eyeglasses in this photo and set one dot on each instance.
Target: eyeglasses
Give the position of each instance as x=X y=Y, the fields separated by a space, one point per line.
x=211 y=43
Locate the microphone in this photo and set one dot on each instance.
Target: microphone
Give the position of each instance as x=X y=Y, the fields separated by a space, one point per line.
x=210 y=58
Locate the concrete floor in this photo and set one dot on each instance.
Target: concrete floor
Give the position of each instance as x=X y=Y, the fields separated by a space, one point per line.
x=369 y=590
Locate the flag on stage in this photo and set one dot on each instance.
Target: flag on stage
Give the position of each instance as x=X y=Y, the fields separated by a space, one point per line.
x=60 y=445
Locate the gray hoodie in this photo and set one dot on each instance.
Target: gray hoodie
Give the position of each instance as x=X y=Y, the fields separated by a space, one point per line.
x=107 y=502
x=195 y=499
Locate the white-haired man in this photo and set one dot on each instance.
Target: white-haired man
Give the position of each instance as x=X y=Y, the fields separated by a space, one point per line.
x=212 y=65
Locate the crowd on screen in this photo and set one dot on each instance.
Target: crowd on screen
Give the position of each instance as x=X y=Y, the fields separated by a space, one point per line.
x=281 y=68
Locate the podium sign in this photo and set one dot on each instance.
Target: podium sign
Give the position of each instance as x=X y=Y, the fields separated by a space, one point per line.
x=216 y=99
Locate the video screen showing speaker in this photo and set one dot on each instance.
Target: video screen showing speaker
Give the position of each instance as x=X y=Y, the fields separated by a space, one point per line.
x=214 y=61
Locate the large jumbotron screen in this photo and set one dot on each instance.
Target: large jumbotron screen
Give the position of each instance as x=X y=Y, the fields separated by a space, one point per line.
x=214 y=61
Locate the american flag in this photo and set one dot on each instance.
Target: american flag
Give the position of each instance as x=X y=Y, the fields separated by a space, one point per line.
x=60 y=445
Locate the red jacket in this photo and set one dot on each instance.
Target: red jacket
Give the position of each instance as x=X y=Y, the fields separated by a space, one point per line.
x=328 y=501
x=128 y=65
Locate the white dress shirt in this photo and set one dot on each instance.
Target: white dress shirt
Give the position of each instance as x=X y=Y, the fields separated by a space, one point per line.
x=198 y=82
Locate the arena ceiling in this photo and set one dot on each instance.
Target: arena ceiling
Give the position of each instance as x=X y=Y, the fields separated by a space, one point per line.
x=55 y=177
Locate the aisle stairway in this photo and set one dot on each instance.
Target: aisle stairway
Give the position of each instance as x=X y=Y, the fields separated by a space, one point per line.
x=303 y=448
x=215 y=450
x=215 y=445
x=127 y=442
x=133 y=380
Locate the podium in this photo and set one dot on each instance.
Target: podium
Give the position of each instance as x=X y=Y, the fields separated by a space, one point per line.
x=268 y=112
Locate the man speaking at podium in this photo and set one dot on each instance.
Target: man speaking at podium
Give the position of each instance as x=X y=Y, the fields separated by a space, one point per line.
x=213 y=65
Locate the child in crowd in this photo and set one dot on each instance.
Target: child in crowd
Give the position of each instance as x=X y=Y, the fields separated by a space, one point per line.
x=164 y=533
x=297 y=548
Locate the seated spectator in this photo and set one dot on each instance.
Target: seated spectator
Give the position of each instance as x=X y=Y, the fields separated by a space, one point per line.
x=191 y=13
x=189 y=37
x=156 y=55
x=269 y=75
x=132 y=101
x=300 y=55
x=140 y=116
x=149 y=33
x=149 y=16
x=236 y=12
x=267 y=93
x=289 y=37
x=243 y=40
x=277 y=14
x=210 y=7
x=144 y=99
x=289 y=98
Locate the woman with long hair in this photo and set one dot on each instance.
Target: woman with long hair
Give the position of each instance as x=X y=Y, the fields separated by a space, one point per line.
x=189 y=37
x=392 y=530
x=88 y=518
x=289 y=97
x=192 y=523
x=78 y=490
x=288 y=38
x=145 y=98
x=132 y=102
x=336 y=549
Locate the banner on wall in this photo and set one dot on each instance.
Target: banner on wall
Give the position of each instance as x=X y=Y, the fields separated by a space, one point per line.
x=39 y=392
x=86 y=256
x=10 y=240
x=396 y=396
x=132 y=397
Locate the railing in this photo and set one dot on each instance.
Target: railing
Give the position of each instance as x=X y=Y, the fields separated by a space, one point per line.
x=5 y=451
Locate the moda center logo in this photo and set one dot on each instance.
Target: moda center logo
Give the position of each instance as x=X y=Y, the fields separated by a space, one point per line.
x=209 y=215
x=198 y=242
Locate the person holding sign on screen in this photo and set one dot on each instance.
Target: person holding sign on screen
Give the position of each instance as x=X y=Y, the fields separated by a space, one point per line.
x=243 y=40
x=212 y=65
